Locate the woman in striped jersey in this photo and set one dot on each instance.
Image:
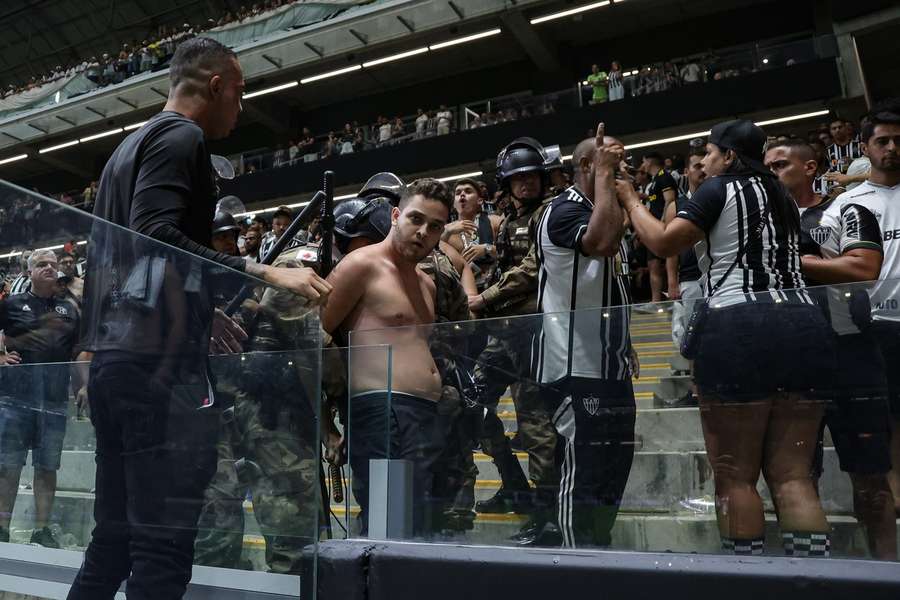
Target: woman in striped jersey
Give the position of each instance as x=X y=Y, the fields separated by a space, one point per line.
x=754 y=366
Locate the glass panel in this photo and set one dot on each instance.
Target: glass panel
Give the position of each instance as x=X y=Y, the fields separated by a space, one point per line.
x=369 y=376
x=586 y=429
x=116 y=351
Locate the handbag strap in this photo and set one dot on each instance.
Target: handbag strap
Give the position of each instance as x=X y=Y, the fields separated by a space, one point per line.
x=756 y=233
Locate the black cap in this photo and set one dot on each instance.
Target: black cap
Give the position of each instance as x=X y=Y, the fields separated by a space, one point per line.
x=746 y=139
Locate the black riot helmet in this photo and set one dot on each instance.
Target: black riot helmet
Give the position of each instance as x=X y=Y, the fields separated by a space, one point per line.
x=384 y=185
x=522 y=155
x=360 y=217
x=223 y=222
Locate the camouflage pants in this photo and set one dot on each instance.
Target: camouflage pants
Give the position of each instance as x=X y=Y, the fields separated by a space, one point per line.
x=506 y=362
x=278 y=469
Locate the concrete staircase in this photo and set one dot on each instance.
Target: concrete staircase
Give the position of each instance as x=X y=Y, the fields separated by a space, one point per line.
x=667 y=503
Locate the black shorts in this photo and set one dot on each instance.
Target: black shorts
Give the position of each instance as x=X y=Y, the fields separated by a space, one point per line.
x=857 y=414
x=752 y=350
x=888 y=335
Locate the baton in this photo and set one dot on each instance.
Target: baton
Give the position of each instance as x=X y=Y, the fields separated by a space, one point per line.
x=305 y=216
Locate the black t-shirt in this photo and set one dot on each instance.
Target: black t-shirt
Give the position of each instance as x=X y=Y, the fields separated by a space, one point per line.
x=42 y=331
x=661 y=182
x=159 y=182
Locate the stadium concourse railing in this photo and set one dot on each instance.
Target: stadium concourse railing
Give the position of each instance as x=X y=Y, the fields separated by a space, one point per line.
x=638 y=81
x=249 y=426
x=670 y=499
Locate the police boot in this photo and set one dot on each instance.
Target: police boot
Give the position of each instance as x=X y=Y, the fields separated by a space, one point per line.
x=514 y=495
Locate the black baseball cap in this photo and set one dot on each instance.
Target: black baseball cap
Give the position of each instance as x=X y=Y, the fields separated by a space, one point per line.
x=746 y=139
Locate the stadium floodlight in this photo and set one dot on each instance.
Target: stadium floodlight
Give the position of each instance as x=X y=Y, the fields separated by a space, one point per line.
x=571 y=11
x=134 y=126
x=277 y=88
x=13 y=159
x=809 y=115
x=58 y=147
x=677 y=138
x=461 y=176
x=103 y=134
x=393 y=57
x=345 y=197
x=330 y=74
x=465 y=39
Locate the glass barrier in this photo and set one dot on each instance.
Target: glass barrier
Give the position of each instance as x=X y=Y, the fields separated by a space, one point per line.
x=593 y=429
x=159 y=429
x=368 y=426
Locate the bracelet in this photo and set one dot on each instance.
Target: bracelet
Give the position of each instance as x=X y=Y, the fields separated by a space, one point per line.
x=636 y=204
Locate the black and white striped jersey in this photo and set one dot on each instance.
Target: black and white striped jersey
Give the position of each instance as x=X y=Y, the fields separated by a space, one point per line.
x=20 y=285
x=729 y=209
x=842 y=155
x=822 y=186
x=576 y=341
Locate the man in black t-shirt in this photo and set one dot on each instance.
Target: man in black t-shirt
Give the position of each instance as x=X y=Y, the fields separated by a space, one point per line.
x=41 y=330
x=149 y=319
x=662 y=191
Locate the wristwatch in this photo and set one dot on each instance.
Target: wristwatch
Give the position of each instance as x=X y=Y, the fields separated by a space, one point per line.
x=489 y=248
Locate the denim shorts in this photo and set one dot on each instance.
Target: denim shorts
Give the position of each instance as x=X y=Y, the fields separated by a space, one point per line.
x=24 y=428
x=752 y=350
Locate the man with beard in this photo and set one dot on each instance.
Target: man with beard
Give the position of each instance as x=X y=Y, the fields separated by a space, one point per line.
x=378 y=287
x=880 y=137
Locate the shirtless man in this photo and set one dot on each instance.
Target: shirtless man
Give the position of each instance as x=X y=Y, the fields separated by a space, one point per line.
x=473 y=234
x=379 y=287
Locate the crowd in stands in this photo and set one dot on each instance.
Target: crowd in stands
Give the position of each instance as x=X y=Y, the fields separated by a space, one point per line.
x=140 y=55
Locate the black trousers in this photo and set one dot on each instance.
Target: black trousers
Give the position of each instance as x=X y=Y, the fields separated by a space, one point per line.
x=594 y=421
x=405 y=428
x=156 y=453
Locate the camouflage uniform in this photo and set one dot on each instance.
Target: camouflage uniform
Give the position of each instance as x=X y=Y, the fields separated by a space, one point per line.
x=455 y=472
x=506 y=360
x=269 y=442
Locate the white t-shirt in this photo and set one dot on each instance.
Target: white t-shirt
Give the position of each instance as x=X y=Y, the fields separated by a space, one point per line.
x=421 y=121
x=384 y=132
x=884 y=203
x=690 y=73
x=443 y=118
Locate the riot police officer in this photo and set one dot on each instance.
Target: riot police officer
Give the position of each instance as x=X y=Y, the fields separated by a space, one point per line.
x=505 y=361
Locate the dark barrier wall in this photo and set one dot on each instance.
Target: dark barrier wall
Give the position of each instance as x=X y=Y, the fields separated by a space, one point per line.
x=402 y=571
x=689 y=104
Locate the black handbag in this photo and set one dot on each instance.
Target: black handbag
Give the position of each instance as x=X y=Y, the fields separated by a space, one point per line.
x=690 y=341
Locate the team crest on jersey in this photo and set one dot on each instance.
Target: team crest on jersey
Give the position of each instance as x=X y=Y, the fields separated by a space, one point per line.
x=820 y=235
x=26 y=308
x=62 y=310
x=591 y=404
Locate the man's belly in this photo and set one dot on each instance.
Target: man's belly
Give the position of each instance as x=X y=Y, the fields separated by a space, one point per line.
x=401 y=365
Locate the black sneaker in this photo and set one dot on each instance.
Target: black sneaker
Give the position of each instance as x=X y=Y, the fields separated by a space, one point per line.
x=4 y=534
x=505 y=502
x=538 y=532
x=44 y=537
x=688 y=400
